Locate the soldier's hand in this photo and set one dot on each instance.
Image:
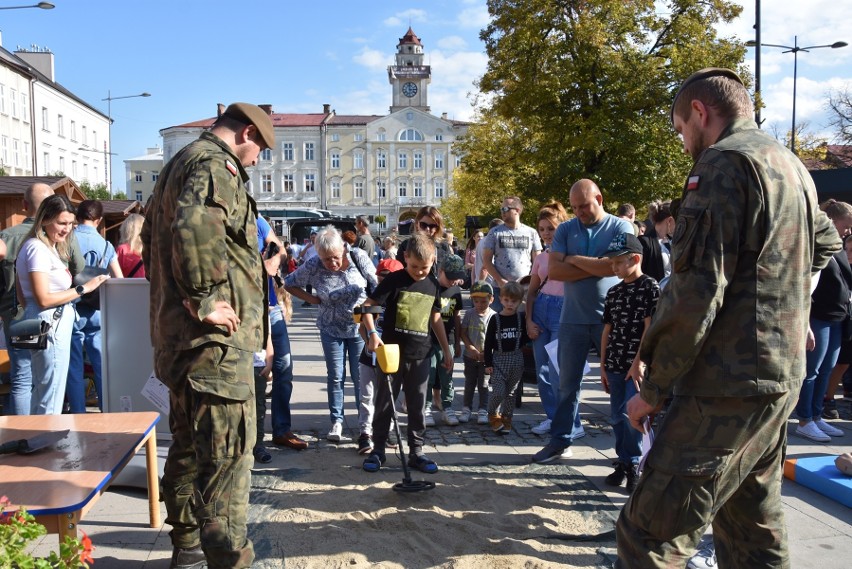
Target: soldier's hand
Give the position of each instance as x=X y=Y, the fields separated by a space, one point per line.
x=637 y=410
x=223 y=315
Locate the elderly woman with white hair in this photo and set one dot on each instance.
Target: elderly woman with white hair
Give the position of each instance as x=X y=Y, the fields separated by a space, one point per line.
x=339 y=276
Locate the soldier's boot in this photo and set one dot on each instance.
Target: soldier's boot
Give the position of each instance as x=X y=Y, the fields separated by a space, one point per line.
x=631 y=471
x=616 y=478
x=188 y=558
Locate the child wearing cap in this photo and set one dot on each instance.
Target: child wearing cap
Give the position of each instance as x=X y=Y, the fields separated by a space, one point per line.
x=628 y=308
x=504 y=361
x=472 y=332
x=450 y=274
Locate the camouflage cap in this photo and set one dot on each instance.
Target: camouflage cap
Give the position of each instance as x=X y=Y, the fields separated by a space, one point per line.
x=454 y=268
x=481 y=288
x=623 y=244
x=249 y=114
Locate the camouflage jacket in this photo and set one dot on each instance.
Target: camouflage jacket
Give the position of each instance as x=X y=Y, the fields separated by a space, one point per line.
x=14 y=237
x=200 y=244
x=733 y=319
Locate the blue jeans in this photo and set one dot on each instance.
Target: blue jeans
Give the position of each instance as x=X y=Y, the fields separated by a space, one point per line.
x=282 y=373
x=87 y=331
x=496 y=305
x=575 y=341
x=50 y=366
x=20 y=376
x=819 y=363
x=546 y=311
x=337 y=351
x=628 y=441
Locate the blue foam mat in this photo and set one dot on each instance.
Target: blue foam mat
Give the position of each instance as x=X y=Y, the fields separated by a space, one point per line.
x=821 y=475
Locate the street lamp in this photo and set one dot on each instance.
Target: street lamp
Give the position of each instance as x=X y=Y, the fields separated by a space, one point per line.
x=795 y=49
x=42 y=5
x=109 y=99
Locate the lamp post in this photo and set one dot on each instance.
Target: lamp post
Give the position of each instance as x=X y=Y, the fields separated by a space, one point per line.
x=109 y=99
x=795 y=49
x=106 y=160
x=41 y=5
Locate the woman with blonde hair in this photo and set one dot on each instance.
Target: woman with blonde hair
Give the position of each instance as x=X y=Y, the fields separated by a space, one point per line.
x=129 y=250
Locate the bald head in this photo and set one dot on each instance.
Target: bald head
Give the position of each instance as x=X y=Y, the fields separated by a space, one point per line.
x=34 y=195
x=586 y=202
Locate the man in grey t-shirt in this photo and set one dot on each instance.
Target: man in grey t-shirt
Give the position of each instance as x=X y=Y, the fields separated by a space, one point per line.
x=365 y=240
x=509 y=249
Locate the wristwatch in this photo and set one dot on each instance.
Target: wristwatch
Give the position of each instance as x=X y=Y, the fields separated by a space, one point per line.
x=80 y=290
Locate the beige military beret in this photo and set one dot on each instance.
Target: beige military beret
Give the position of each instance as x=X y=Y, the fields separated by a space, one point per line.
x=247 y=113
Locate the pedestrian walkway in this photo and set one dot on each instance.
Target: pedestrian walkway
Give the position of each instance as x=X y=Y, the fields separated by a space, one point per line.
x=820 y=530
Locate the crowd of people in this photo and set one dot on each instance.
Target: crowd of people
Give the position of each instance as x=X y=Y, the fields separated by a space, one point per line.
x=712 y=308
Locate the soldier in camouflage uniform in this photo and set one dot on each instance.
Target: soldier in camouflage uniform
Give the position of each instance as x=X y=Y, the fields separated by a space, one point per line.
x=727 y=340
x=208 y=317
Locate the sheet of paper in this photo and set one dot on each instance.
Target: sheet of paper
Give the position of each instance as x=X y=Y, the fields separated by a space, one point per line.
x=157 y=393
x=647 y=442
x=552 y=350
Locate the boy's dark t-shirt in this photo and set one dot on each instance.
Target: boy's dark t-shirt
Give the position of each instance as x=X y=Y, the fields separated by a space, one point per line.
x=451 y=303
x=408 y=311
x=511 y=329
x=625 y=308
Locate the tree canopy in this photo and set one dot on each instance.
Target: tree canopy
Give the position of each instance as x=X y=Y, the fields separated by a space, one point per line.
x=840 y=105
x=582 y=89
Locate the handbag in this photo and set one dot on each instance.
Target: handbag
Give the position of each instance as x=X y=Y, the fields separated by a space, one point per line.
x=31 y=333
x=91 y=299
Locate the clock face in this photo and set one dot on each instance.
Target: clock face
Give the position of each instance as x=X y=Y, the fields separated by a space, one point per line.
x=409 y=89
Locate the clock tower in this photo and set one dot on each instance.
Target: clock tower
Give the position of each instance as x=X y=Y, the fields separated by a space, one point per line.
x=409 y=78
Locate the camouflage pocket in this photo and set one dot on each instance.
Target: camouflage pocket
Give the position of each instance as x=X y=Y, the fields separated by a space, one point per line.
x=224 y=371
x=690 y=236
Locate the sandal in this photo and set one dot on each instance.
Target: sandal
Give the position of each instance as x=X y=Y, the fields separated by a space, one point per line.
x=262 y=455
x=423 y=463
x=373 y=463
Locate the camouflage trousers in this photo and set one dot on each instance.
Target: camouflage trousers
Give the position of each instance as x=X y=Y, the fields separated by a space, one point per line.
x=715 y=460
x=207 y=476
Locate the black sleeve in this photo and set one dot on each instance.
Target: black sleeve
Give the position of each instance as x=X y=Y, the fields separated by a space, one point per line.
x=490 y=340
x=400 y=252
x=383 y=291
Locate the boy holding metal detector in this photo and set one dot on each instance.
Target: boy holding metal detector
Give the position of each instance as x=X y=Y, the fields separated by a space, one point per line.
x=412 y=306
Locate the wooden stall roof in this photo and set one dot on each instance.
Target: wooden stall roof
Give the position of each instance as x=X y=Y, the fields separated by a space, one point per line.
x=12 y=190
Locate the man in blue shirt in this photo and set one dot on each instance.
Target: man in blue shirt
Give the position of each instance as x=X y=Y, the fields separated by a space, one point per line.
x=575 y=259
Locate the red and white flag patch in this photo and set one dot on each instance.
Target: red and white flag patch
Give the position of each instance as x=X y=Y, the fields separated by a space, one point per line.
x=231 y=168
x=692 y=183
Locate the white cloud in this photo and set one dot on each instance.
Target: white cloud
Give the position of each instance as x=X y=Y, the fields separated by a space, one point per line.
x=371 y=58
x=403 y=18
x=452 y=43
x=475 y=17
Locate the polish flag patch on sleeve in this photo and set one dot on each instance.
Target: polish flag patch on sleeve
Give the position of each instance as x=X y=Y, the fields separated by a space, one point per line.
x=692 y=183
x=231 y=168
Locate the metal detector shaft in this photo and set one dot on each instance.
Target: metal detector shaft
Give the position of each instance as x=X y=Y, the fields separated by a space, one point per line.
x=406 y=473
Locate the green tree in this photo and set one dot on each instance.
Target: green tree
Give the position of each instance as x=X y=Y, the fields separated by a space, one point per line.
x=96 y=192
x=119 y=196
x=583 y=88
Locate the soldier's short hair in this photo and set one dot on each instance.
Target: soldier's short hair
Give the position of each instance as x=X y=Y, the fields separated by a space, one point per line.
x=329 y=240
x=721 y=89
x=421 y=247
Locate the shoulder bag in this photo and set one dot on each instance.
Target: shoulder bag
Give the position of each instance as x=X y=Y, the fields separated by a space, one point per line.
x=31 y=333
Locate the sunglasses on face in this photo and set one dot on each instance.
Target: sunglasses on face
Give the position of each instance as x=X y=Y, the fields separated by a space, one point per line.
x=428 y=226
x=504 y=209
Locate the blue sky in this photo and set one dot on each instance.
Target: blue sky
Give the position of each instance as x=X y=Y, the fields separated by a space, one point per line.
x=192 y=54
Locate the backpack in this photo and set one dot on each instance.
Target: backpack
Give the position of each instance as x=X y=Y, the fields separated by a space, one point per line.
x=92 y=299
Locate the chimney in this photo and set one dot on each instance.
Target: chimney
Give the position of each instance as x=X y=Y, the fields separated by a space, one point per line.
x=220 y=110
x=266 y=108
x=444 y=116
x=40 y=58
x=326 y=108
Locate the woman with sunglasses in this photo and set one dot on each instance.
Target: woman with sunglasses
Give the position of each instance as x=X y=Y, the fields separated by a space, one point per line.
x=430 y=222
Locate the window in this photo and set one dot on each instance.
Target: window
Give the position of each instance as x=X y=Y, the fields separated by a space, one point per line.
x=94 y=138
x=74 y=169
x=13 y=95
x=439 y=188
x=439 y=160
x=5 y=149
x=287 y=150
x=309 y=151
x=85 y=171
x=138 y=195
x=45 y=124
x=27 y=155
x=25 y=107
x=439 y=137
x=410 y=135
x=381 y=190
x=60 y=125
x=266 y=183
x=73 y=131
x=155 y=175
x=16 y=155
x=409 y=116
x=418 y=189
x=458 y=161
x=359 y=138
x=335 y=190
x=381 y=137
x=95 y=177
x=138 y=176
x=85 y=137
x=418 y=160
x=310 y=182
x=46 y=160
x=359 y=190
x=289 y=185
x=266 y=154
x=335 y=137
x=381 y=159
x=2 y=98
x=62 y=164
x=335 y=160
x=359 y=161
x=402 y=160
x=403 y=189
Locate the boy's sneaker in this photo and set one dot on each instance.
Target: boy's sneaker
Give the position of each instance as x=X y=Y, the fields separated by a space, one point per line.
x=335 y=433
x=365 y=444
x=828 y=429
x=578 y=433
x=551 y=453
x=482 y=417
x=616 y=478
x=464 y=416
x=507 y=424
x=829 y=409
x=705 y=555
x=449 y=417
x=496 y=422
x=373 y=463
x=542 y=428
x=428 y=419
x=812 y=432
x=632 y=472
x=422 y=463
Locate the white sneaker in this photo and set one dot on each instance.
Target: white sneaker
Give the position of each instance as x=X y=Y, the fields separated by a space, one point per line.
x=578 y=433
x=335 y=432
x=482 y=417
x=464 y=416
x=542 y=428
x=428 y=419
x=812 y=432
x=450 y=418
x=705 y=555
x=828 y=429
